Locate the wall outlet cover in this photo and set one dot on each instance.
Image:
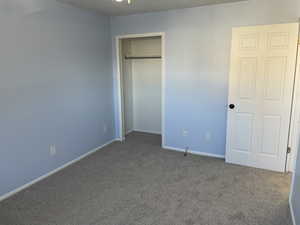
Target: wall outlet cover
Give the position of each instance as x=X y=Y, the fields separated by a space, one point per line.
x=185 y=133
x=207 y=136
x=52 y=150
x=105 y=129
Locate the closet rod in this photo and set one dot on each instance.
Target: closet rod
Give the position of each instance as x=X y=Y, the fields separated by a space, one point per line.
x=143 y=57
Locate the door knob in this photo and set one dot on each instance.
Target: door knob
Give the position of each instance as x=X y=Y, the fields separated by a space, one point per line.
x=231 y=106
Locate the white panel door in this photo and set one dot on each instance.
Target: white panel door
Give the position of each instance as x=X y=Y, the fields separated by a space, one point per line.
x=262 y=70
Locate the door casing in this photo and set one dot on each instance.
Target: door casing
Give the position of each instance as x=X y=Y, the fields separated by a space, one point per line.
x=121 y=120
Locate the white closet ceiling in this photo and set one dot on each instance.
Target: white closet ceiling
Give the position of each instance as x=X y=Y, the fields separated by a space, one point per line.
x=112 y=7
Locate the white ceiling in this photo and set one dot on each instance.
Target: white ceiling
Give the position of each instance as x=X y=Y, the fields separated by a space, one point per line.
x=110 y=7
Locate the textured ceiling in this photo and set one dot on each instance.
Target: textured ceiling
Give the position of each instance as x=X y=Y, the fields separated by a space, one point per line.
x=110 y=7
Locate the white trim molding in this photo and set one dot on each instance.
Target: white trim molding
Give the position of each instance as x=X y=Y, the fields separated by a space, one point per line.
x=295 y=117
x=119 y=139
x=292 y=193
x=13 y=192
x=193 y=152
x=146 y=131
x=128 y=132
x=292 y=212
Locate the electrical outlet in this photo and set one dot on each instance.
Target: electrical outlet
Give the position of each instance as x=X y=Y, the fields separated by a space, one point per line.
x=105 y=128
x=208 y=136
x=52 y=150
x=185 y=133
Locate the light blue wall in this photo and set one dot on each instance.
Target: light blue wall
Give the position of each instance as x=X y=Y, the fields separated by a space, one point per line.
x=197 y=63
x=55 y=87
x=296 y=191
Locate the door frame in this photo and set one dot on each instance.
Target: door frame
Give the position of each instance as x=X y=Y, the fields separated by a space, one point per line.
x=294 y=142
x=121 y=112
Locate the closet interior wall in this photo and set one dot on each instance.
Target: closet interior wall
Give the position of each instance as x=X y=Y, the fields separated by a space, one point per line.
x=141 y=79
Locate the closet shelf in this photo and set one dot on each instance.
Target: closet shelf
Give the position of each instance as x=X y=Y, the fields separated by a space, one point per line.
x=143 y=57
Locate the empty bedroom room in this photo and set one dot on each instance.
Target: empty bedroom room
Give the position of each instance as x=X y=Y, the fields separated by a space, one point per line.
x=137 y=112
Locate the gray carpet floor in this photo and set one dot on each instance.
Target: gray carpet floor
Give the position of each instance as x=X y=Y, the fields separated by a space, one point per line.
x=138 y=183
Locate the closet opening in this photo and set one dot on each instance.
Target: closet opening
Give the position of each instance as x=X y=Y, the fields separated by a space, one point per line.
x=141 y=63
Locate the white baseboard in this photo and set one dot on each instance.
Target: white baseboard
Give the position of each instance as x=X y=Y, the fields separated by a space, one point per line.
x=128 y=132
x=146 y=131
x=195 y=152
x=291 y=200
x=292 y=211
x=13 y=192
